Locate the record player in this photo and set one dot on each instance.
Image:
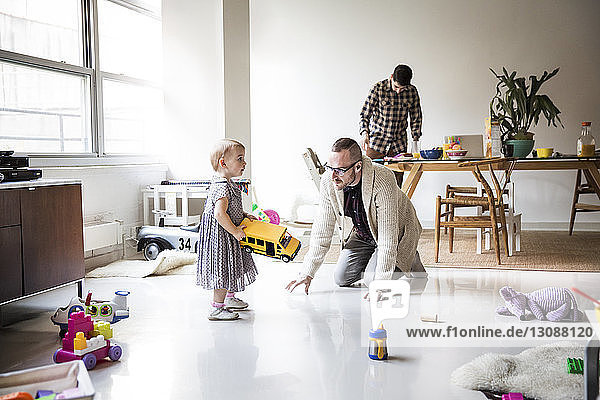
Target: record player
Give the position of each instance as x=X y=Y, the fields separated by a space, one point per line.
x=14 y=169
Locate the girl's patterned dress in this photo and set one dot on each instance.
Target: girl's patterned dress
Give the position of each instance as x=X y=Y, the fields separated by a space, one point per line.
x=221 y=262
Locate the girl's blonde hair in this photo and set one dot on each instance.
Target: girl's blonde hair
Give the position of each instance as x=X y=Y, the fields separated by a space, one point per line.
x=220 y=149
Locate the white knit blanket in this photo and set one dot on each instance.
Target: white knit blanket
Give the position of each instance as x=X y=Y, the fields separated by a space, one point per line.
x=539 y=373
x=168 y=262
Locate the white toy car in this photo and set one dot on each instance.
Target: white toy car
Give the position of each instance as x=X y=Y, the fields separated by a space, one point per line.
x=154 y=239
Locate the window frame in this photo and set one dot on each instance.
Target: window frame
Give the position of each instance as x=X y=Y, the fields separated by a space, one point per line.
x=89 y=69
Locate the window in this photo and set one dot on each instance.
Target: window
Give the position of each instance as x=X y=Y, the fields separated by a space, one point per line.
x=132 y=117
x=260 y=242
x=44 y=111
x=47 y=29
x=64 y=93
x=250 y=240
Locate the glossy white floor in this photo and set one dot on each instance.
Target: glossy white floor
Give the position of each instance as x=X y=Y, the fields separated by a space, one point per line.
x=289 y=346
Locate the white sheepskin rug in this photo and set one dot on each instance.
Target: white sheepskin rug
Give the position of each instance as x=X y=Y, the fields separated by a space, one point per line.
x=168 y=262
x=539 y=373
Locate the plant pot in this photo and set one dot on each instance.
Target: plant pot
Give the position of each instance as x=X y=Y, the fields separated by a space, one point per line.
x=520 y=148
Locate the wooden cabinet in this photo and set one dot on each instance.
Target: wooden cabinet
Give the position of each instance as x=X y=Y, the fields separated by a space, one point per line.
x=43 y=246
x=52 y=231
x=9 y=208
x=11 y=281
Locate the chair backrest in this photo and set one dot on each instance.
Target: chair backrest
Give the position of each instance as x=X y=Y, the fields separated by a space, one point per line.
x=507 y=164
x=315 y=168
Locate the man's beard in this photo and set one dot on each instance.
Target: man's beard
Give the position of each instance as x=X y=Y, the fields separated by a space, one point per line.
x=345 y=185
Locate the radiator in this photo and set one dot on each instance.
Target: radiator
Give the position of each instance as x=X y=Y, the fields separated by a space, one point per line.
x=100 y=234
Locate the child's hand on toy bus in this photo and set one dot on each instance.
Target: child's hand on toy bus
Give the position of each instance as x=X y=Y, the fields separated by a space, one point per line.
x=239 y=232
x=250 y=217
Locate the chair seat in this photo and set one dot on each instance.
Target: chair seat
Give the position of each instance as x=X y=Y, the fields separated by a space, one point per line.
x=471 y=221
x=582 y=207
x=466 y=201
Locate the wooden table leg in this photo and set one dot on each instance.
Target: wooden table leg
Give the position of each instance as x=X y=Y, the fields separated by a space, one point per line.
x=593 y=177
x=410 y=184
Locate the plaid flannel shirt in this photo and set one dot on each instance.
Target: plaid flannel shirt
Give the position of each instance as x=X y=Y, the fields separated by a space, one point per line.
x=384 y=117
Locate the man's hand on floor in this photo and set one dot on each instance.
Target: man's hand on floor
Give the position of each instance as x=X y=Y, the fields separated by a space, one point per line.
x=297 y=282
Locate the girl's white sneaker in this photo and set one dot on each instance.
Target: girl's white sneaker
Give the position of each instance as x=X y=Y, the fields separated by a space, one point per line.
x=233 y=303
x=222 y=314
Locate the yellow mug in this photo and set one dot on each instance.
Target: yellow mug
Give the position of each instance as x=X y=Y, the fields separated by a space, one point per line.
x=545 y=152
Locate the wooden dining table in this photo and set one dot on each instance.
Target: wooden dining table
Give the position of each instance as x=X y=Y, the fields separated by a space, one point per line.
x=415 y=168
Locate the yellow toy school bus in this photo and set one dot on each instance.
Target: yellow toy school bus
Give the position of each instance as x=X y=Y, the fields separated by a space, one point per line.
x=269 y=240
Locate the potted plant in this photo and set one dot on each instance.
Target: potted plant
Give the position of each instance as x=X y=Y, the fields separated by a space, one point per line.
x=517 y=107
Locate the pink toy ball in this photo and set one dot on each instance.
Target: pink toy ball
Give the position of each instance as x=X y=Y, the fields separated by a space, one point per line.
x=273 y=216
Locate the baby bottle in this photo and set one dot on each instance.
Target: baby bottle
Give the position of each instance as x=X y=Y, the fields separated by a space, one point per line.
x=378 y=344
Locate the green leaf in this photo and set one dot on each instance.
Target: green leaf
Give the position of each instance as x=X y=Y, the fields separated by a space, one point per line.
x=517 y=104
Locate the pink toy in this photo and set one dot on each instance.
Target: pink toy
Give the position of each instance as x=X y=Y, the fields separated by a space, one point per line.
x=512 y=396
x=85 y=340
x=273 y=216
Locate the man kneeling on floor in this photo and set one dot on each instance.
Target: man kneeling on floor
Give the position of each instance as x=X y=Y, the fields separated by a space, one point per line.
x=377 y=222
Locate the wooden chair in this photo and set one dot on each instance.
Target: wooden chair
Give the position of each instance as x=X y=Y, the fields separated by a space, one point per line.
x=587 y=187
x=513 y=219
x=493 y=202
x=451 y=191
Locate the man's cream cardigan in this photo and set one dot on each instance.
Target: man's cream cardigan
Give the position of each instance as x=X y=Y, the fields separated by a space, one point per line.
x=392 y=220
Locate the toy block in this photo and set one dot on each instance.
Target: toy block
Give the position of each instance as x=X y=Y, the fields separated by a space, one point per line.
x=575 y=366
x=48 y=397
x=92 y=344
x=79 y=343
x=79 y=322
x=512 y=396
x=43 y=394
x=102 y=328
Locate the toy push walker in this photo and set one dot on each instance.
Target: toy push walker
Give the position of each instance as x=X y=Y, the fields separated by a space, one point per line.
x=88 y=341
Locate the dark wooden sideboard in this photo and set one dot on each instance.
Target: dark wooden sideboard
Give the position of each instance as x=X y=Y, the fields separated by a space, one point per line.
x=41 y=239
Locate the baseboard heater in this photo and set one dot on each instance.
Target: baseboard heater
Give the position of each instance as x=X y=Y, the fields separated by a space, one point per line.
x=99 y=234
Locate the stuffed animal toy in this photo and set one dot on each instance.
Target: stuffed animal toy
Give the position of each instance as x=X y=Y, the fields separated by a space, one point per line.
x=551 y=303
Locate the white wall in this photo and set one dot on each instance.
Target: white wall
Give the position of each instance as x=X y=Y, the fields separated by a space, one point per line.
x=193 y=84
x=236 y=60
x=313 y=63
x=114 y=191
x=207 y=81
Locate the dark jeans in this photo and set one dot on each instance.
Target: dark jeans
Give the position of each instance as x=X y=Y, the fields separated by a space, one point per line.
x=359 y=258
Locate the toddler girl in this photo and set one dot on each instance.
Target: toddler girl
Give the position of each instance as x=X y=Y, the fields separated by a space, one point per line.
x=222 y=265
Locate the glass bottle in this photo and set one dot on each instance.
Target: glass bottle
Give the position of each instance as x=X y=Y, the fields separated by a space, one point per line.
x=586 y=145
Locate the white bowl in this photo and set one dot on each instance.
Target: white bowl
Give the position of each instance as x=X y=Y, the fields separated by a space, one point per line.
x=456 y=154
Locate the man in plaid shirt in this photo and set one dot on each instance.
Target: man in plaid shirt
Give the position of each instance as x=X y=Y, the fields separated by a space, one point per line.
x=384 y=116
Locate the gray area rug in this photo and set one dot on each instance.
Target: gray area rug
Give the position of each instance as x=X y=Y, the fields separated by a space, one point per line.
x=540 y=250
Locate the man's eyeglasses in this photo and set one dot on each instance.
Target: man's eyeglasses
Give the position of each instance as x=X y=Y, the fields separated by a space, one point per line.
x=340 y=171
